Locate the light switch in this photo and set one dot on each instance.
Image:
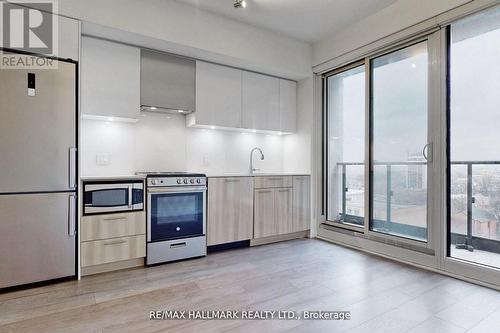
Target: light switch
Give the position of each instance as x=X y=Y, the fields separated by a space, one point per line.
x=102 y=159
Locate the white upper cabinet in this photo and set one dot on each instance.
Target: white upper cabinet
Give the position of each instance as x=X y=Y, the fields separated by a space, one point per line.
x=69 y=38
x=260 y=103
x=288 y=106
x=218 y=95
x=110 y=79
x=232 y=98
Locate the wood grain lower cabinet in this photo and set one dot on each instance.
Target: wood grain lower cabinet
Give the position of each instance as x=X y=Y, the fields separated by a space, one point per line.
x=283 y=206
x=111 y=250
x=95 y=227
x=281 y=210
x=301 y=203
x=272 y=212
x=109 y=240
x=264 y=213
x=230 y=210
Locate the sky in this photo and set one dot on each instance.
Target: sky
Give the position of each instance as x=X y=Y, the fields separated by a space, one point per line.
x=400 y=104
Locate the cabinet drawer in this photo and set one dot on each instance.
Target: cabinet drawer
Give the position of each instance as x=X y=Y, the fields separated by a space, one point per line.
x=111 y=250
x=273 y=181
x=97 y=227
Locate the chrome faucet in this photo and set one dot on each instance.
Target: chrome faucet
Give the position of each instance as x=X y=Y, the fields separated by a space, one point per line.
x=252 y=169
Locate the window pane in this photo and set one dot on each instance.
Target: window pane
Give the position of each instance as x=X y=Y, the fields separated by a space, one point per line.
x=475 y=138
x=346 y=146
x=399 y=135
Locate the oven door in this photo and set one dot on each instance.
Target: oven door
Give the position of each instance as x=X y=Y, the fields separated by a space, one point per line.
x=176 y=213
x=109 y=198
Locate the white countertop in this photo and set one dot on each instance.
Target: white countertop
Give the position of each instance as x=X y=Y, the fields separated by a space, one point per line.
x=209 y=175
x=258 y=174
x=114 y=177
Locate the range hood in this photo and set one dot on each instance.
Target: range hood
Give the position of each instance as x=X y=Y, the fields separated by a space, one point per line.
x=168 y=83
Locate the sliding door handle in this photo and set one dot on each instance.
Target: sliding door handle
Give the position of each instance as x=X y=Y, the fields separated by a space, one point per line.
x=427 y=151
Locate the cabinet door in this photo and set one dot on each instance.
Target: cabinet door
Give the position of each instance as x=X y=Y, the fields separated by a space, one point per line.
x=68 y=31
x=288 y=106
x=110 y=79
x=260 y=102
x=69 y=38
x=283 y=209
x=301 y=203
x=218 y=95
x=264 y=213
x=230 y=210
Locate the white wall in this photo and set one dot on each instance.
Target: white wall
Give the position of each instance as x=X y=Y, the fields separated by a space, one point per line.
x=396 y=17
x=163 y=143
x=192 y=32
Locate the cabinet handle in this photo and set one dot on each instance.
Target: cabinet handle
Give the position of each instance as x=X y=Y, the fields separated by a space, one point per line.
x=287 y=190
x=267 y=191
x=115 y=242
x=115 y=218
x=232 y=180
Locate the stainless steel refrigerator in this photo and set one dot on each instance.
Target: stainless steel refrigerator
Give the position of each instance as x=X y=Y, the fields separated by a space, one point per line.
x=38 y=174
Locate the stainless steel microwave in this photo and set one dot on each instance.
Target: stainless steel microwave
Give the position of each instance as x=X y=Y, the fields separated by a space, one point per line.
x=105 y=197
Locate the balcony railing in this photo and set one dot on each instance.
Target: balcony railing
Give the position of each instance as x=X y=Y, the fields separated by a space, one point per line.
x=462 y=240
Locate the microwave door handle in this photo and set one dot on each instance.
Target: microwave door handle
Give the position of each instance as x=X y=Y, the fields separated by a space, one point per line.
x=130 y=196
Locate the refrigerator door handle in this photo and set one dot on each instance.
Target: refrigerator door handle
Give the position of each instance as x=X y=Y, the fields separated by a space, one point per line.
x=72 y=215
x=72 y=168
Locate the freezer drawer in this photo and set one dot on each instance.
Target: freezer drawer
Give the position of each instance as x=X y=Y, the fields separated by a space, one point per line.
x=37 y=237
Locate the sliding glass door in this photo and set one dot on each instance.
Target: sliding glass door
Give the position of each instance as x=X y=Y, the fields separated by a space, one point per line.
x=474 y=139
x=411 y=149
x=346 y=146
x=399 y=149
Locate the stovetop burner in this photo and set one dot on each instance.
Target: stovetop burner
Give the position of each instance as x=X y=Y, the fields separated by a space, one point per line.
x=157 y=178
x=170 y=174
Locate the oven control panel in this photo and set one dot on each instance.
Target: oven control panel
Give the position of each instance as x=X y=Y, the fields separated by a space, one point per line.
x=177 y=181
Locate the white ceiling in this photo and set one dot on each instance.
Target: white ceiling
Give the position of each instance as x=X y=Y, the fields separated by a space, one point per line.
x=306 y=20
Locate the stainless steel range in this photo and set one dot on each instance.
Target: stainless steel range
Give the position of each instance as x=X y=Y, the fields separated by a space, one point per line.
x=176 y=216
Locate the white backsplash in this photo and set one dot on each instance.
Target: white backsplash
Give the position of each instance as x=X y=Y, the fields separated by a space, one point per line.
x=163 y=142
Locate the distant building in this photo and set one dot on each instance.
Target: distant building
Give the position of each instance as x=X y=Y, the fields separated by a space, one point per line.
x=416 y=178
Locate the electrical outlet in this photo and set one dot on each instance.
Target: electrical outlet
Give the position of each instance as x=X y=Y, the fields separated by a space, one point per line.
x=102 y=159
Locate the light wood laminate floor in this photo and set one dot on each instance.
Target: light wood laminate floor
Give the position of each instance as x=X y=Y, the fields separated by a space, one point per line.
x=382 y=295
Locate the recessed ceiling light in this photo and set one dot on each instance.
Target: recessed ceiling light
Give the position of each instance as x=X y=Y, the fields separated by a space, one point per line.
x=413 y=65
x=254 y=131
x=180 y=111
x=212 y=127
x=153 y=108
x=240 y=4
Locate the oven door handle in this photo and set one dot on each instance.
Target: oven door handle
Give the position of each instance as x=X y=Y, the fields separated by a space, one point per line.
x=177 y=190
